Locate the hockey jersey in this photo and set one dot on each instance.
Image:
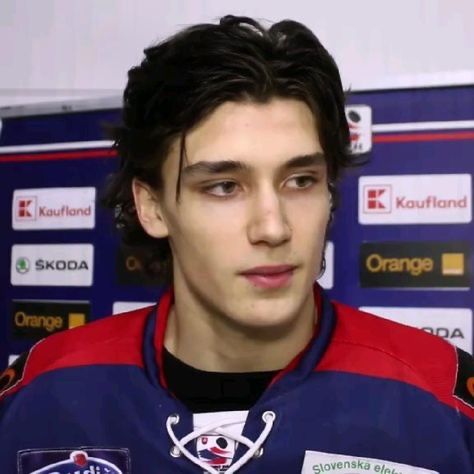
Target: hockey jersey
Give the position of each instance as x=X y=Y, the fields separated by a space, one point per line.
x=367 y=395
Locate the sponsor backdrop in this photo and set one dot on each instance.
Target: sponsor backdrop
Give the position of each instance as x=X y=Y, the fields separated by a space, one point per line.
x=400 y=245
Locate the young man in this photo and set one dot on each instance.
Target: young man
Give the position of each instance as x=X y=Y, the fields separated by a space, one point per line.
x=233 y=138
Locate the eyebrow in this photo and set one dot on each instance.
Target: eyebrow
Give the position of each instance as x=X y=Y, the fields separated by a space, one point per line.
x=305 y=161
x=226 y=166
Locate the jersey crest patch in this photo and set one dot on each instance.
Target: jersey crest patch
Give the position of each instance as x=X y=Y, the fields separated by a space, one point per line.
x=13 y=374
x=74 y=461
x=464 y=388
x=316 y=462
x=216 y=451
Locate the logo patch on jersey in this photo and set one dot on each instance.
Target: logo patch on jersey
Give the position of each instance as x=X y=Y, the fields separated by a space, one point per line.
x=216 y=451
x=74 y=461
x=316 y=462
x=464 y=389
x=13 y=374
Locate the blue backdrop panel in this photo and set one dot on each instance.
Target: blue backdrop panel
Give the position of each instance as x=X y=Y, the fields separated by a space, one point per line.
x=429 y=151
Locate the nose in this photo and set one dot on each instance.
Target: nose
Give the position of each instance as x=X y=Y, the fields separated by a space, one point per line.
x=268 y=222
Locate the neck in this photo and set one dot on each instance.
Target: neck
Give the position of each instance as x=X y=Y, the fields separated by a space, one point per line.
x=213 y=342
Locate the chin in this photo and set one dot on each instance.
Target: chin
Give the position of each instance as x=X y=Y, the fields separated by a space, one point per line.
x=282 y=310
x=273 y=316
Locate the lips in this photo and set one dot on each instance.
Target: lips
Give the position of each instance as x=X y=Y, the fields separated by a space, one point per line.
x=270 y=276
x=269 y=270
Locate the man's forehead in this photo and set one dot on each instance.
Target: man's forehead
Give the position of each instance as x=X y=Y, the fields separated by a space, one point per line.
x=244 y=127
x=269 y=135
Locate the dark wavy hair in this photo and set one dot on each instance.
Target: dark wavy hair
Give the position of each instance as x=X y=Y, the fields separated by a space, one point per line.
x=184 y=78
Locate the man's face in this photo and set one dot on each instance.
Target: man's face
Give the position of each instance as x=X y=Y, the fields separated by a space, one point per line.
x=247 y=232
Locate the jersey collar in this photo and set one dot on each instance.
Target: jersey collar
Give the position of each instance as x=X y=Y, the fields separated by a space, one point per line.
x=299 y=368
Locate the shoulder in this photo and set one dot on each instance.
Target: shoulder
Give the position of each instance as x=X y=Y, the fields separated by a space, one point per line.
x=407 y=344
x=373 y=346
x=111 y=340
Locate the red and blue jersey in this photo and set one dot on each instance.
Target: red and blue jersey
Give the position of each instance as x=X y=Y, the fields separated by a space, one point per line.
x=366 y=395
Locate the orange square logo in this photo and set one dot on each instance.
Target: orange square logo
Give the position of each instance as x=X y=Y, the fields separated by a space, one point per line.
x=452 y=264
x=76 y=319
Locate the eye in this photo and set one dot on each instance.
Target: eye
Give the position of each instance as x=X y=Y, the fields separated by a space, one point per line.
x=301 y=182
x=221 y=189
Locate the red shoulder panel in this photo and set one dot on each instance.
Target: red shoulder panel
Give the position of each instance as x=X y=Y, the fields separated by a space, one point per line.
x=370 y=345
x=112 y=340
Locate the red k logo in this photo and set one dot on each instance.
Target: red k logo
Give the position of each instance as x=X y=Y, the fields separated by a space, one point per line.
x=377 y=199
x=26 y=208
x=373 y=199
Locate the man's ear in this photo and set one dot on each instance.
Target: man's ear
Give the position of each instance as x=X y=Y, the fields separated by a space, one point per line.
x=149 y=210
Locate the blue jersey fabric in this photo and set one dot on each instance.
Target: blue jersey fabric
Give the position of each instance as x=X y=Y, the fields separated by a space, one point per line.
x=66 y=416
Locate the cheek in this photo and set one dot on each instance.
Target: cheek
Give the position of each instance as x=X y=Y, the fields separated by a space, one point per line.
x=215 y=222
x=310 y=219
x=205 y=234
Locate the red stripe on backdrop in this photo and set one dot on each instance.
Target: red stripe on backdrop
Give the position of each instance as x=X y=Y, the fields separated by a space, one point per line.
x=110 y=153
x=423 y=137
x=63 y=155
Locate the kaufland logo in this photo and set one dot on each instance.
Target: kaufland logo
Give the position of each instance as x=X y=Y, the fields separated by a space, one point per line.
x=25 y=208
x=378 y=199
x=415 y=199
x=54 y=208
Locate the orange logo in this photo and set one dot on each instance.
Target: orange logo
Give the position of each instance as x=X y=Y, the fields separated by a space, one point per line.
x=470 y=385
